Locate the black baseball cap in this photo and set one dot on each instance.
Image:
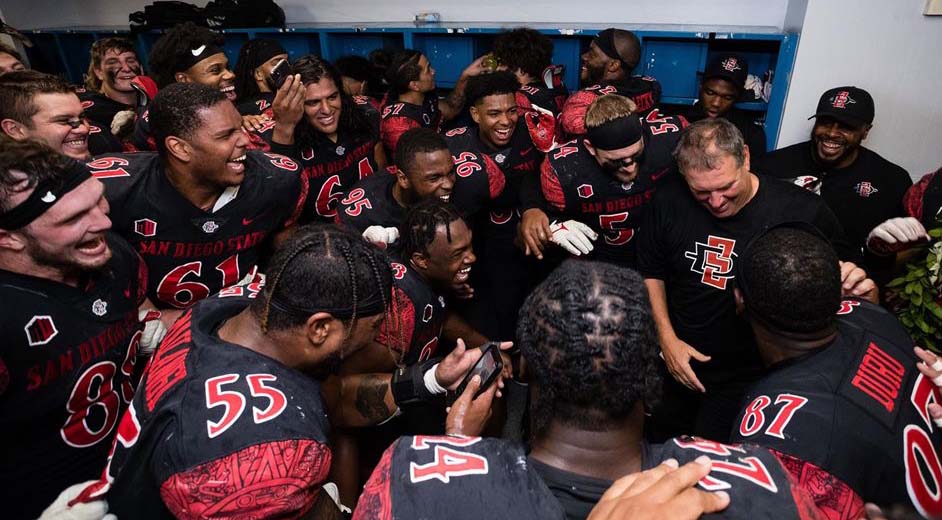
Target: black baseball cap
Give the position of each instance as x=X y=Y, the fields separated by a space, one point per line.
x=849 y=105
x=730 y=67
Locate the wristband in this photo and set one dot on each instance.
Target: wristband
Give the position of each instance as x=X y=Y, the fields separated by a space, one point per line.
x=431 y=382
x=408 y=383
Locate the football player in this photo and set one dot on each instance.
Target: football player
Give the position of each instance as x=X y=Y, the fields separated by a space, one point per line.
x=413 y=101
x=424 y=168
x=603 y=183
x=73 y=295
x=335 y=137
x=588 y=338
x=229 y=419
x=44 y=108
x=109 y=85
x=200 y=209
x=842 y=384
x=606 y=69
x=688 y=249
x=528 y=54
x=254 y=85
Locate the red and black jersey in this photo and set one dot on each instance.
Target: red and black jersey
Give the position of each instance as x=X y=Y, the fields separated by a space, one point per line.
x=541 y=125
x=856 y=409
x=645 y=91
x=257 y=105
x=192 y=253
x=102 y=141
x=67 y=372
x=99 y=108
x=332 y=168
x=217 y=430
x=924 y=199
x=460 y=478
x=400 y=117
x=695 y=254
x=576 y=187
x=419 y=314
x=370 y=203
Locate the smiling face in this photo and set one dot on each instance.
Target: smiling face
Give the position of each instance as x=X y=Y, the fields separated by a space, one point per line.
x=218 y=146
x=837 y=144
x=58 y=123
x=725 y=189
x=70 y=236
x=593 y=65
x=117 y=70
x=212 y=72
x=322 y=106
x=432 y=174
x=623 y=163
x=448 y=262
x=496 y=117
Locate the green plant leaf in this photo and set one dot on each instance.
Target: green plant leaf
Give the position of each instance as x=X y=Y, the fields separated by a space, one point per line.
x=896 y=282
x=935 y=233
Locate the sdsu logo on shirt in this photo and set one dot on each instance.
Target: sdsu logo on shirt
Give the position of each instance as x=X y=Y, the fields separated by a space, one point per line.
x=713 y=260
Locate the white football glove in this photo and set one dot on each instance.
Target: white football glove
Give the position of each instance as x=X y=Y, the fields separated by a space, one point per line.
x=895 y=235
x=60 y=509
x=573 y=236
x=381 y=236
x=154 y=331
x=122 y=123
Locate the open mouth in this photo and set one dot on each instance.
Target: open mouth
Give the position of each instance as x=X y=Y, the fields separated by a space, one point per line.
x=93 y=247
x=445 y=198
x=831 y=147
x=326 y=120
x=229 y=91
x=502 y=134
x=75 y=146
x=463 y=275
x=237 y=164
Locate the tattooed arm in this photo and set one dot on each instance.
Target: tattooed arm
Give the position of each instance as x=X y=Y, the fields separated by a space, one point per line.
x=359 y=399
x=452 y=105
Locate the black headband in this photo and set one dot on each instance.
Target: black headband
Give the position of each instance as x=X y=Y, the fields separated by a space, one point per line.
x=615 y=134
x=194 y=56
x=369 y=307
x=743 y=269
x=44 y=196
x=605 y=41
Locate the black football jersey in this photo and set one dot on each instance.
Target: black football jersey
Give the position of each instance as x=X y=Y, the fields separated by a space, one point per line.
x=541 y=124
x=645 y=91
x=370 y=203
x=856 y=409
x=99 y=108
x=67 y=372
x=257 y=105
x=192 y=253
x=418 y=315
x=695 y=254
x=102 y=141
x=576 y=187
x=333 y=168
x=217 y=430
x=399 y=117
x=459 y=478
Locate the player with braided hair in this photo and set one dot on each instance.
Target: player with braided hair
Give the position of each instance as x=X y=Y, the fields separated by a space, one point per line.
x=231 y=388
x=254 y=85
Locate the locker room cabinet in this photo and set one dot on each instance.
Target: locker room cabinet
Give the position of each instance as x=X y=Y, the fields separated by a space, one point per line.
x=675 y=55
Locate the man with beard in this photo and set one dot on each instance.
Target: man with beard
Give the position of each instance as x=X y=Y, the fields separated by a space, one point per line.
x=862 y=188
x=499 y=140
x=528 y=54
x=721 y=87
x=108 y=83
x=202 y=208
x=230 y=418
x=413 y=101
x=424 y=168
x=254 y=85
x=44 y=108
x=10 y=60
x=603 y=183
x=334 y=136
x=606 y=69
x=71 y=293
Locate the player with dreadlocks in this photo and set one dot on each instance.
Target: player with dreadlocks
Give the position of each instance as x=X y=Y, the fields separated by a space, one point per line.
x=254 y=85
x=589 y=341
x=334 y=136
x=231 y=386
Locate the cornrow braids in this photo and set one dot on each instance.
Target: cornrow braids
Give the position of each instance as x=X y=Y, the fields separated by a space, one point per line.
x=322 y=267
x=420 y=225
x=588 y=336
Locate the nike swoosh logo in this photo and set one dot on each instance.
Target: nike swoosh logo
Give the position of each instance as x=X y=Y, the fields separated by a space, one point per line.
x=247 y=221
x=525 y=152
x=199 y=50
x=659 y=174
